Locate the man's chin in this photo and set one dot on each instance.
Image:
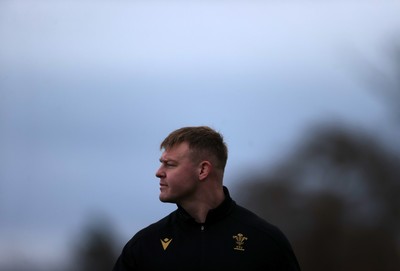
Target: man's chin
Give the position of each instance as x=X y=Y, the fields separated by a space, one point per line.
x=165 y=199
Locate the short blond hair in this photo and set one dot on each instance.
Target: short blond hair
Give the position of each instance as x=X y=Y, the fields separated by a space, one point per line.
x=202 y=140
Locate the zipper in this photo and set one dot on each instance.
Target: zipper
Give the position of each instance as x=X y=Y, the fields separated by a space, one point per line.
x=203 y=245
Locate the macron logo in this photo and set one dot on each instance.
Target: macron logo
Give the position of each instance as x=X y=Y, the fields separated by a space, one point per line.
x=165 y=242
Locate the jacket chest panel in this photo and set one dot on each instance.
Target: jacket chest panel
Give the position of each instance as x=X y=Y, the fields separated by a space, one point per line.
x=196 y=246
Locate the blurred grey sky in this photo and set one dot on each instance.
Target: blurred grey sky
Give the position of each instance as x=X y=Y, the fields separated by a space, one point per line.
x=88 y=89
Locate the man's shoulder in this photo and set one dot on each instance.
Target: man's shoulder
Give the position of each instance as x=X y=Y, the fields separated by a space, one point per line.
x=155 y=227
x=245 y=214
x=252 y=220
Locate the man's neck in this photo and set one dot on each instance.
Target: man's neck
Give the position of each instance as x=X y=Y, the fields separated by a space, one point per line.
x=203 y=203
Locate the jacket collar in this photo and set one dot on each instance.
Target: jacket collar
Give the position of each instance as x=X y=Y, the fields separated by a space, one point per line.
x=214 y=214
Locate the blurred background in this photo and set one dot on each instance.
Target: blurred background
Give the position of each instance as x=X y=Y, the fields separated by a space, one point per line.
x=306 y=93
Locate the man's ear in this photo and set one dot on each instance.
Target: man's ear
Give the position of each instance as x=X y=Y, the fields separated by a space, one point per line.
x=204 y=170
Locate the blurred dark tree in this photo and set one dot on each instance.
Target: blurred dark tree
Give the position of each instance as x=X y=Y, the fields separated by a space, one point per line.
x=337 y=197
x=338 y=200
x=95 y=247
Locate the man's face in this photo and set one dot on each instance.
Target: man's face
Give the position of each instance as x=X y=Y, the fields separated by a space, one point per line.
x=178 y=175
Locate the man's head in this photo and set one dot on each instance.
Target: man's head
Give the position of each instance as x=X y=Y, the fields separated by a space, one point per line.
x=204 y=144
x=192 y=163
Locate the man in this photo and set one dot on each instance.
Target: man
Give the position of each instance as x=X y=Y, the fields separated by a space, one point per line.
x=208 y=230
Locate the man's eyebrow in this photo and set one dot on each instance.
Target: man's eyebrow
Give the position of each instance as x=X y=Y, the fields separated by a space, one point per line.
x=168 y=160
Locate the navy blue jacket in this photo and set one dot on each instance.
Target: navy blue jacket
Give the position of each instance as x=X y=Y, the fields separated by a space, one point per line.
x=232 y=238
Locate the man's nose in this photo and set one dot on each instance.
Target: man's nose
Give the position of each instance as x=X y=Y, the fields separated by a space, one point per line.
x=160 y=173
